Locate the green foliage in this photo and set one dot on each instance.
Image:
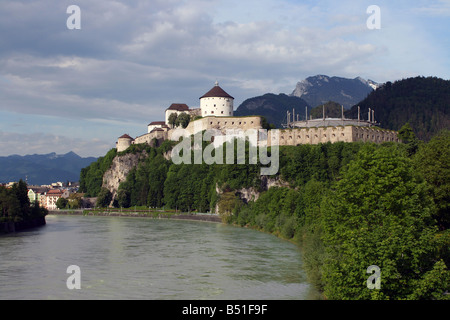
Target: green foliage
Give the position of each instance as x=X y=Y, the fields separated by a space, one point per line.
x=182 y=120
x=408 y=137
x=15 y=204
x=104 y=198
x=379 y=213
x=61 y=203
x=433 y=162
x=91 y=177
x=173 y=119
x=423 y=102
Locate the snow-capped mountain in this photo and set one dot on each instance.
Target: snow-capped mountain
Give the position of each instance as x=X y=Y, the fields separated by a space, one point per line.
x=320 y=89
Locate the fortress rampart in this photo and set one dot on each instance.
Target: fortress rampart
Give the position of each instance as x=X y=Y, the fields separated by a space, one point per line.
x=216 y=107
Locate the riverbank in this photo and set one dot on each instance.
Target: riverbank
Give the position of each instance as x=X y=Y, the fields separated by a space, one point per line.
x=144 y=214
x=10 y=227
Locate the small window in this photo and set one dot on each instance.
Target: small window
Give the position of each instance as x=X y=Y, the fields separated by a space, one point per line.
x=221 y=112
x=212 y=112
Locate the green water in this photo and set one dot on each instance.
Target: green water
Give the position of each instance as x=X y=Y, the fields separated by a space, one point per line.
x=143 y=258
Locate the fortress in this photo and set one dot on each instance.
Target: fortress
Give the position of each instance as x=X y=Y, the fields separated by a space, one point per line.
x=216 y=112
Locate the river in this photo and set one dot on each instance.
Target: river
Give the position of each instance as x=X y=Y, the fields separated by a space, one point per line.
x=145 y=258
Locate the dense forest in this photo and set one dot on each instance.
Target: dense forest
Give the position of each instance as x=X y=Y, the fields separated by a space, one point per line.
x=15 y=205
x=348 y=205
x=424 y=102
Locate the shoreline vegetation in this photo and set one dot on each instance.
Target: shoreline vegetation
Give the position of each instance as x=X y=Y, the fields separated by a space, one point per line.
x=16 y=211
x=140 y=213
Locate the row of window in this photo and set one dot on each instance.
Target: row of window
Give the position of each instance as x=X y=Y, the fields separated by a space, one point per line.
x=386 y=138
x=232 y=123
x=307 y=136
x=226 y=99
x=221 y=112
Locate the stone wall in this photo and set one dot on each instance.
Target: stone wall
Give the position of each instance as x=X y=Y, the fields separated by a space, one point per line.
x=148 y=137
x=220 y=123
x=297 y=136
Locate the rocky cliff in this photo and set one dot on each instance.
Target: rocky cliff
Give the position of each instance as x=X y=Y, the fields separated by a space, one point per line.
x=119 y=170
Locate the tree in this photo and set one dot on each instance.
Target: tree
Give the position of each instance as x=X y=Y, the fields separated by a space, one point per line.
x=182 y=120
x=75 y=201
x=173 y=119
x=380 y=214
x=433 y=162
x=406 y=134
x=104 y=198
x=266 y=125
x=20 y=192
x=123 y=198
x=61 y=203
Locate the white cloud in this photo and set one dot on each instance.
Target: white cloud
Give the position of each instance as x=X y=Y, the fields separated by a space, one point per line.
x=132 y=59
x=439 y=8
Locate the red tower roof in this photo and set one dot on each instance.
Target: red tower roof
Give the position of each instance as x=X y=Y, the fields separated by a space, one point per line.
x=216 y=91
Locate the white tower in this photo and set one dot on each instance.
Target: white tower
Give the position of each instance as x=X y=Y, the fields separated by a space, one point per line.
x=216 y=102
x=124 y=142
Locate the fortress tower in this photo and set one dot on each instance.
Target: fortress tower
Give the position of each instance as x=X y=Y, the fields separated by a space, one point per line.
x=216 y=102
x=124 y=142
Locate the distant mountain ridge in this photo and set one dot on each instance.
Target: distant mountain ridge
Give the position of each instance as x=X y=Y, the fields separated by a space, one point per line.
x=310 y=92
x=273 y=107
x=320 y=89
x=41 y=169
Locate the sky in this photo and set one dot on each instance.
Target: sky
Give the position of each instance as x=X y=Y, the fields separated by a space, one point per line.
x=65 y=89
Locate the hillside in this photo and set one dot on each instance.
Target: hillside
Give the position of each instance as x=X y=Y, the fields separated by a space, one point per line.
x=320 y=89
x=273 y=107
x=43 y=168
x=423 y=102
x=349 y=205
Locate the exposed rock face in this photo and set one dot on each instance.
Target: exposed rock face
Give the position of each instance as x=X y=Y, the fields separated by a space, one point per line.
x=119 y=170
x=267 y=182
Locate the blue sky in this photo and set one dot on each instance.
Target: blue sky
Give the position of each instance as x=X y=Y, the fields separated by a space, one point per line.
x=67 y=90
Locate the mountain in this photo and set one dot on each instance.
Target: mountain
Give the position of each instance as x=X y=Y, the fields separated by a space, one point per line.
x=44 y=168
x=273 y=107
x=424 y=102
x=320 y=89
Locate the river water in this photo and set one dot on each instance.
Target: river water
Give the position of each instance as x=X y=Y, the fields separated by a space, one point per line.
x=144 y=258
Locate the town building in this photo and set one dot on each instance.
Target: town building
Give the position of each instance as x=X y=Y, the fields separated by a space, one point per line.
x=51 y=197
x=36 y=193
